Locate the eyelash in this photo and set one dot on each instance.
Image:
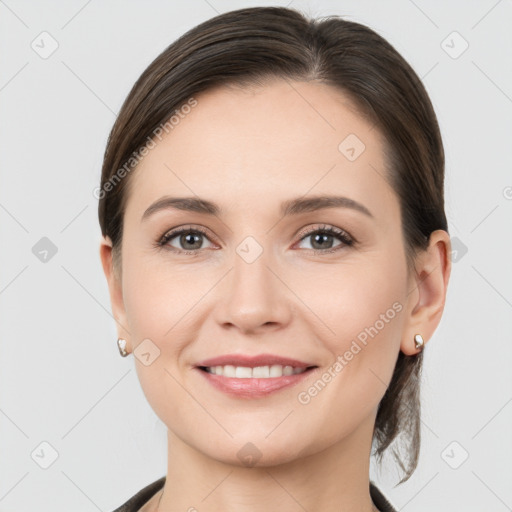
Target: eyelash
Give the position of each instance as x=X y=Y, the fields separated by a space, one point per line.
x=340 y=234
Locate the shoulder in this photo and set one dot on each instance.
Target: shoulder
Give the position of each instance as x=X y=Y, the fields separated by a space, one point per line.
x=142 y=497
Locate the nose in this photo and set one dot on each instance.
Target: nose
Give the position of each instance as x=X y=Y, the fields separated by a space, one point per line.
x=254 y=297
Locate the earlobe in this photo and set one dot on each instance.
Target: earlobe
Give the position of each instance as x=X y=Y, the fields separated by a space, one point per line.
x=115 y=288
x=428 y=293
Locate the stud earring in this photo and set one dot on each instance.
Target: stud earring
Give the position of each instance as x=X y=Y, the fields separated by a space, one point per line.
x=418 y=341
x=121 y=344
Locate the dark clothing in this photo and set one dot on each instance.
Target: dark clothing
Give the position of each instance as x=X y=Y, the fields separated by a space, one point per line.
x=144 y=495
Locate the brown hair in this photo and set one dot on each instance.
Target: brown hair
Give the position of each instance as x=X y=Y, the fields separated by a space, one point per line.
x=248 y=46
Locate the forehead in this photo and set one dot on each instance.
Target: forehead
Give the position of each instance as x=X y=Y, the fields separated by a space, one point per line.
x=281 y=139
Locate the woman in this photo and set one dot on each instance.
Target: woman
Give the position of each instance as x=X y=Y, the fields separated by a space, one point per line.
x=277 y=256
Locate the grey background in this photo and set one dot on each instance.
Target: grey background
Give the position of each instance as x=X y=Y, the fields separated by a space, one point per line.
x=62 y=380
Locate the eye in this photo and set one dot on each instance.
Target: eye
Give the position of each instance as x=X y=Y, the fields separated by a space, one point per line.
x=190 y=239
x=322 y=238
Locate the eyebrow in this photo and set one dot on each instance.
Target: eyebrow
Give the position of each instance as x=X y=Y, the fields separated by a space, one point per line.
x=290 y=207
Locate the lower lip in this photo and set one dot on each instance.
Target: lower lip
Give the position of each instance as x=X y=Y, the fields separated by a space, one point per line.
x=253 y=387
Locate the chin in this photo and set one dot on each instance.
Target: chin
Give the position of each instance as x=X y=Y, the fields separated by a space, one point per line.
x=248 y=454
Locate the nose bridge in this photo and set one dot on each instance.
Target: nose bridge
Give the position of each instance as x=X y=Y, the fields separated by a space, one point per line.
x=252 y=281
x=254 y=295
x=251 y=274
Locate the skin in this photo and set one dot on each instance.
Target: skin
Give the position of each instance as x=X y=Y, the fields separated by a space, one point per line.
x=248 y=150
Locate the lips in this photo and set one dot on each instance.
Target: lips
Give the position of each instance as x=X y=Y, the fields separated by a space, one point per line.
x=238 y=380
x=253 y=361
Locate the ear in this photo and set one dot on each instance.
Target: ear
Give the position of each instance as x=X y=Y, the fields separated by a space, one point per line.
x=115 y=290
x=427 y=291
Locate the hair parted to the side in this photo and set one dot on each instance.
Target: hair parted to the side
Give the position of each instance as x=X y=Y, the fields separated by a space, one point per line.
x=249 y=46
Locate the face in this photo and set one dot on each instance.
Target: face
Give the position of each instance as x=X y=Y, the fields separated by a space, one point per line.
x=322 y=283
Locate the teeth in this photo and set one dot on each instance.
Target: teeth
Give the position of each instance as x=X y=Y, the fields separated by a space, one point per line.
x=259 y=372
x=242 y=372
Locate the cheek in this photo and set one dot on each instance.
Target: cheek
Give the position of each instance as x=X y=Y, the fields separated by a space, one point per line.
x=349 y=298
x=364 y=314
x=158 y=294
x=159 y=303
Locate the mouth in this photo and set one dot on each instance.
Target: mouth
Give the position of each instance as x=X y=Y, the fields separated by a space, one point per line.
x=253 y=376
x=256 y=372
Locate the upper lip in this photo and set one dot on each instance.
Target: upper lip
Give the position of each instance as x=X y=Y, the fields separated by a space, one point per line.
x=253 y=361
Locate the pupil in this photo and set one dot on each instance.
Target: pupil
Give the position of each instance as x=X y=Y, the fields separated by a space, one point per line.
x=321 y=236
x=189 y=238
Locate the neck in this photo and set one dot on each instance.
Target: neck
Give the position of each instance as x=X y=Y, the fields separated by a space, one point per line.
x=333 y=480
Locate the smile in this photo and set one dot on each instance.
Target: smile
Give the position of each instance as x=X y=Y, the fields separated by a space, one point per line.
x=258 y=372
x=253 y=382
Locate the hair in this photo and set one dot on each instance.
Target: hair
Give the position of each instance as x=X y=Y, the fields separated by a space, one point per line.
x=251 y=46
